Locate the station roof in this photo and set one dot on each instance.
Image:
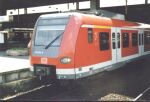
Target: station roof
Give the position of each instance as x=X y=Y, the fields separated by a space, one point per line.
x=136 y=13
x=14 y=4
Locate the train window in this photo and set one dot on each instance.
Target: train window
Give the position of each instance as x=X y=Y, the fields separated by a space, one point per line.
x=56 y=21
x=146 y=38
x=104 y=40
x=125 y=40
x=142 y=39
x=134 y=39
x=139 y=39
x=149 y=38
x=113 y=41
x=90 y=35
x=49 y=32
x=113 y=35
x=118 y=38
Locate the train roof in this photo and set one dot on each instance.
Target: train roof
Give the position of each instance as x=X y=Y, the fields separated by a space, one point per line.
x=59 y=15
x=97 y=20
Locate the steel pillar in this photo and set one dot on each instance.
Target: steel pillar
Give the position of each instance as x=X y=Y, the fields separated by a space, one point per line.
x=25 y=11
x=146 y=1
x=94 y=4
x=77 y=5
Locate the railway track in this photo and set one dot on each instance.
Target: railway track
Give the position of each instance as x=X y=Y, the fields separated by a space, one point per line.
x=143 y=96
x=131 y=80
x=27 y=92
x=50 y=88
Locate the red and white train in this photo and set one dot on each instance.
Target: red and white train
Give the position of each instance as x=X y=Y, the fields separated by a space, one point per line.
x=75 y=45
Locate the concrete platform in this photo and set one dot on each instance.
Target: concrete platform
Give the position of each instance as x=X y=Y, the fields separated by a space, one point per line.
x=15 y=74
x=11 y=64
x=13 y=68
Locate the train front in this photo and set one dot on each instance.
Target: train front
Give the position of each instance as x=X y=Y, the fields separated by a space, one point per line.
x=53 y=46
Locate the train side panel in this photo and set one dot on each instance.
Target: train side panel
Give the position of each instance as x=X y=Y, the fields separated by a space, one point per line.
x=129 y=42
x=146 y=41
x=88 y=42
x=89 y=54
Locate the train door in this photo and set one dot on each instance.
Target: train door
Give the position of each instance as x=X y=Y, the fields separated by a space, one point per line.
x=116 y=52
x=141 y=42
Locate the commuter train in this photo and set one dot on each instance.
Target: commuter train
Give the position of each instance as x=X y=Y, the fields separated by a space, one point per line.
x=76 y=45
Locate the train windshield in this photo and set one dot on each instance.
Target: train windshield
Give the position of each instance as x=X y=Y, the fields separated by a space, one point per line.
x=49 y=32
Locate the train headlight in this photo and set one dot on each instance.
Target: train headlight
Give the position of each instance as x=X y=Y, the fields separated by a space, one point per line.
x=65 y=60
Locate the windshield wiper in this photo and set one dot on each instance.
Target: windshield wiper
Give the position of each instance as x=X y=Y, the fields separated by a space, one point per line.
x=47 y=46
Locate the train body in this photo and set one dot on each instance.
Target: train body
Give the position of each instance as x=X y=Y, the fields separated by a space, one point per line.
x=75 y=45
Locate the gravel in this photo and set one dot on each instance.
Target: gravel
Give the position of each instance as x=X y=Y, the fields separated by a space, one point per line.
x=115 y=97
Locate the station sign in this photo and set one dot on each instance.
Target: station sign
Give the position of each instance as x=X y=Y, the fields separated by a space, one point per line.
x=6 y=18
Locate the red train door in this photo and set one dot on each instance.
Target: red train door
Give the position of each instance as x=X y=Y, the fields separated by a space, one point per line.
x=116 y=51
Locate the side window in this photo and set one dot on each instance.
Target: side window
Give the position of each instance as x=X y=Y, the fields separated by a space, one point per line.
x=104 y=40
x=139 y=39
x=134 y=39
x=149 y=38
x=113 y=41
x=125 y=40
x=142 y=39
x=90 y=35
x=118 y=38
x=145 y=38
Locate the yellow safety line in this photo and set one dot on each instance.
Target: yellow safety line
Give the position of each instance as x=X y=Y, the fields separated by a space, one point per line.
x=102 y=26
x=95 y=26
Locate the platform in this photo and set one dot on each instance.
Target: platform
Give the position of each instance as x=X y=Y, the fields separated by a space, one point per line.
x=11 y=64
x=13 y=68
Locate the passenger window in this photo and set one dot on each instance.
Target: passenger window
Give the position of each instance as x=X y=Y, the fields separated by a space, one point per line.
x=139 y=39
x=134 y=39
x=146 y=37
x=90 y=35
x=113 y=41
x=125 y=40
x=104 y=40
x=149 y=37
x=142 y=39
x=118 y=38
